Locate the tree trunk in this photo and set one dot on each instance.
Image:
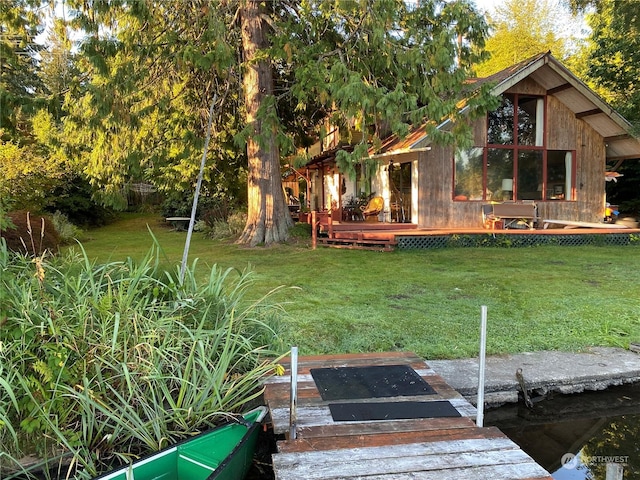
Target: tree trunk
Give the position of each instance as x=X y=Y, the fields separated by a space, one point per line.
x=268 y=215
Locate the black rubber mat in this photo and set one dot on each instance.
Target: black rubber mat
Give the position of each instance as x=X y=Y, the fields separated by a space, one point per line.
x=380 y=381
x=353 y=412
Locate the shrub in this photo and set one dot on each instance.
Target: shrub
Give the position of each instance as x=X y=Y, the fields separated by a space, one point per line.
x=6 y=205
x=74 y=199
x=211 y=210
x=66 y=230
x=179 y=204
x=112 y=361
x=222 y=229
x=237 y=221
x=300 y=231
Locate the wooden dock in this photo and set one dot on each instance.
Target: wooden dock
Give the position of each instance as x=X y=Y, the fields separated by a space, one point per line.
x=446 y=447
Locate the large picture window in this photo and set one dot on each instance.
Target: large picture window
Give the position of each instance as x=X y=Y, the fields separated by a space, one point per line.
x=515 y=164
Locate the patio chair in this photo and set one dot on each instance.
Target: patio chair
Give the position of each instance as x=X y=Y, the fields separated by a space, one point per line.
x=489 y=218
x=372 y=209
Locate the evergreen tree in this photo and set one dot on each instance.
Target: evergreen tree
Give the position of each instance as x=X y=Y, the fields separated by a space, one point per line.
x=151 y=70
x=614 y=54
x=20 y=84
x=379 y=65
x=30 y=164
x=58 y=66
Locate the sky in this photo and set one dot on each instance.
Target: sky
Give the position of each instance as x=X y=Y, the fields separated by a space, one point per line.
x=487 y=5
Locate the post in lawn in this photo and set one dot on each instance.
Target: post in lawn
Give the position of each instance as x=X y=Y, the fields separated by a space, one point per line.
x=194 y=207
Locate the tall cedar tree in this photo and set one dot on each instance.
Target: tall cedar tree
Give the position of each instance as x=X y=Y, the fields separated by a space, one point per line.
x=268 y=218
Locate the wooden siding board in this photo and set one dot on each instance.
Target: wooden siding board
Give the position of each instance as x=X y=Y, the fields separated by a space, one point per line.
x=436 y=183
x=527 y=86
x=479 y=129
x=423 y=193
x=561 y=126
x=590 y=179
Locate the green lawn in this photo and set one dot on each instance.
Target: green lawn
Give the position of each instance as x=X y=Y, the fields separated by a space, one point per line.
x=425 y=301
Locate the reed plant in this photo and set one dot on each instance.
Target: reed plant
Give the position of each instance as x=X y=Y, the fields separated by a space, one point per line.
x=105 y=362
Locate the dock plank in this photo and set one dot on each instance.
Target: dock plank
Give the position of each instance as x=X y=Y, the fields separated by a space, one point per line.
x=523 y=471
x=398 y=459
x=279 y=398
x=389 y=452
x=320 y=415
x=355 y=359
x=464 y=431
x=279 y=387
x=305 y=377
x=373 y=428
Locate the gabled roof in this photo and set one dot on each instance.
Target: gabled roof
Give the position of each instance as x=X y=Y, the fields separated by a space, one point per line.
x=558 y=81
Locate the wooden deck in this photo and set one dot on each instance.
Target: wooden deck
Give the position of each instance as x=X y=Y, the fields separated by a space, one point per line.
x=426 y=448
x=388 y=236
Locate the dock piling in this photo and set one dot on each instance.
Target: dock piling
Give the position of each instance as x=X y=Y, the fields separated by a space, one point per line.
x=481 y=369
x=294 y=393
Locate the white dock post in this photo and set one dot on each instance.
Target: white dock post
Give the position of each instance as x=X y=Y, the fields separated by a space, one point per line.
x=294 y=394
x=483 y=353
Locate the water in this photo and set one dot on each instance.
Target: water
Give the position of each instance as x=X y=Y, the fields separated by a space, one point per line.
x=575 y=436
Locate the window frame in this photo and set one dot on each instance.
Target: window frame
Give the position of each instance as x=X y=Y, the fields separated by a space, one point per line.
x=516 y=148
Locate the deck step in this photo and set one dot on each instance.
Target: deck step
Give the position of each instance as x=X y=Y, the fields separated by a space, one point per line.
x=360 y=244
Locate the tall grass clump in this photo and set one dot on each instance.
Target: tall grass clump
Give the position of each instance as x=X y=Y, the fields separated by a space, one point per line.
x=66 y=230
x=102 y=363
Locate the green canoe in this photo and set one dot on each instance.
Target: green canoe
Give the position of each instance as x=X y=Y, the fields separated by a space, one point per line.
x=224 y=453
